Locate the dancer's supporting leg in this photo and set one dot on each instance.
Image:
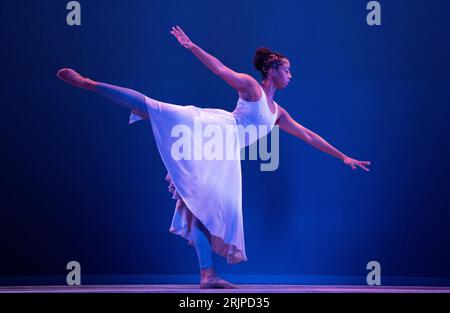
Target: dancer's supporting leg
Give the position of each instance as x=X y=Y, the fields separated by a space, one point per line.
x=126 y=97
x=202 y=243
x=201 y=239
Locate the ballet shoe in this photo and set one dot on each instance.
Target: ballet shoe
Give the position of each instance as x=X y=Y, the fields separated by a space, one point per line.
x=70 y=76
x=210 y=280
x=217 y=283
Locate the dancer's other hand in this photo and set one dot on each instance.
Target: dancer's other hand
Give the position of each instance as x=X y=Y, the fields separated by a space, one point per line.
x=181 y=37
x=352 y=163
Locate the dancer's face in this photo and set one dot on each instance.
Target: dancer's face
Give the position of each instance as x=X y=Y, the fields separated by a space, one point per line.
x=281 y=75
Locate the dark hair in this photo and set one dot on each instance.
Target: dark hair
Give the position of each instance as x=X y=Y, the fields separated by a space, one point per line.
x=266 y=59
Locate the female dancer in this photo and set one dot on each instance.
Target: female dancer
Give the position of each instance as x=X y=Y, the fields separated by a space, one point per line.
x=208 y=191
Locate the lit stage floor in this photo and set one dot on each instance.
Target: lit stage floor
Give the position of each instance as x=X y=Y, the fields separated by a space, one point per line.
x=190 y=288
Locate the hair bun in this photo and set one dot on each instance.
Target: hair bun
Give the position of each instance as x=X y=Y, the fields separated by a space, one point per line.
x=266 y=58
x=261 y=55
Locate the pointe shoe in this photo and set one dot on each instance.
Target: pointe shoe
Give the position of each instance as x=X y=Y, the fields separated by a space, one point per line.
x=70 y=76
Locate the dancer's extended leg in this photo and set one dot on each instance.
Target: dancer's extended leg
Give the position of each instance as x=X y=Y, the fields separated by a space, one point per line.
x=126 y=97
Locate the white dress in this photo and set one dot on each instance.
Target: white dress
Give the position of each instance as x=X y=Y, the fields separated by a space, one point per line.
x=209 y=188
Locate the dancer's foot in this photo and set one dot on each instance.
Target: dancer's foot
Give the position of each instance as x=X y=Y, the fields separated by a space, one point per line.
x=70 y=76
x=209 y=279
x=217 y=283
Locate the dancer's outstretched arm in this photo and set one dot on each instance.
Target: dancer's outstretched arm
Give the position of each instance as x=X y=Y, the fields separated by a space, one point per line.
x=289 y=125
x=240 y=81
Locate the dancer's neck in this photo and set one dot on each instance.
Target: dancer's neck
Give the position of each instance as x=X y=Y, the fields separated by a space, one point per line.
x=269 y=88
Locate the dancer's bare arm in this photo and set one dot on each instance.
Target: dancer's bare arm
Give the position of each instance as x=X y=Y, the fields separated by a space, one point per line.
x=289 y=125
x=242 y=82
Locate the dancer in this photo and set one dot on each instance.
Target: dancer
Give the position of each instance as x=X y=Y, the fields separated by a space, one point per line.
x=208 y=211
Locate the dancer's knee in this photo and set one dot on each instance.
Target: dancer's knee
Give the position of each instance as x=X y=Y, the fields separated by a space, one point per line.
x=198 y=225
x=126 y=97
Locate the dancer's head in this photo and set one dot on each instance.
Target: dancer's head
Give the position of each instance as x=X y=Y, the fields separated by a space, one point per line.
x=273 y=66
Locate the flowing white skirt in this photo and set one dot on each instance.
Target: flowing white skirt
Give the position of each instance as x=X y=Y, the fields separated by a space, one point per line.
x=205 y=181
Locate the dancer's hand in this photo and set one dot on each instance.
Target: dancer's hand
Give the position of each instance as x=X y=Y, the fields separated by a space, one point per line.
x=352 y=162
x=181 y=37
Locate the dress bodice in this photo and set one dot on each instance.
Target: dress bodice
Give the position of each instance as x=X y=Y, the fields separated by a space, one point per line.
x=256 y=115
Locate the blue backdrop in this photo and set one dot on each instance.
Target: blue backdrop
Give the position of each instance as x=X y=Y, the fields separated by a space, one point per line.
x=79 y=183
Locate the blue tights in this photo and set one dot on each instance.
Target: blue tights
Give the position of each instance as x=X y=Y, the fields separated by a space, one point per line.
x=201 y=239
x=126 y=97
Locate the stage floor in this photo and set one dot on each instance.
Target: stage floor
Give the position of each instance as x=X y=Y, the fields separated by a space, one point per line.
x=171 y=288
